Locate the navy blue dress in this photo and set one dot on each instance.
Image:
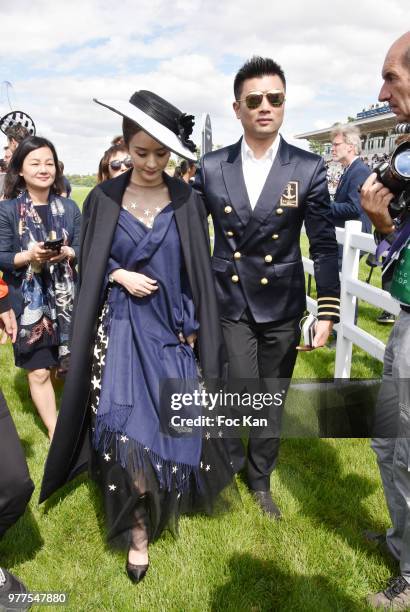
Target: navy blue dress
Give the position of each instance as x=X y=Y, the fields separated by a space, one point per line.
x=145 y=473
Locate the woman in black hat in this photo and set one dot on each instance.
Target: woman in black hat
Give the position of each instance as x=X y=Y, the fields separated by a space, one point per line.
x=146 y=297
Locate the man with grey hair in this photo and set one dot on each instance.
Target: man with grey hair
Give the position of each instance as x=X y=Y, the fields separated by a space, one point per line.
x=346 y=147
x=393 y=405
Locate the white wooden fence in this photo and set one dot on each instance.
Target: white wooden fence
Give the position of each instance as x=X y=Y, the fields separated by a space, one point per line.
x=351 y=288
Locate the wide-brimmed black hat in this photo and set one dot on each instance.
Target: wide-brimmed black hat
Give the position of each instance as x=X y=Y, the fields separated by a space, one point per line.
x=17 y=118
x=158 y=118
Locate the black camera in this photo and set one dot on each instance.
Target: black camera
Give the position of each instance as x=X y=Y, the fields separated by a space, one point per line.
x=395 y=174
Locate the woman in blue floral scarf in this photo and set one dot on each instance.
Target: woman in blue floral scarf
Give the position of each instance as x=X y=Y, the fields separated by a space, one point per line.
x=41 y=280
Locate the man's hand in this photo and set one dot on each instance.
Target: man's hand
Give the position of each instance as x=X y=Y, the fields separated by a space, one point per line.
x=8 y=323
x=322 y=332
x=375 y=199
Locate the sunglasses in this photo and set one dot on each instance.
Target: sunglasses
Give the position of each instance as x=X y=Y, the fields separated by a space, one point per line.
x=117 y=163
x=254 y=99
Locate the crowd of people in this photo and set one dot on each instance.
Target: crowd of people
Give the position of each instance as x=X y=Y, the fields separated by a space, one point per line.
x=126 y=294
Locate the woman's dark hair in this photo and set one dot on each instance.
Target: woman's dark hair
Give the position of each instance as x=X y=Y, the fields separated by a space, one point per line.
x=103 y=172
x=256 y=67
x=183 y=168
x=129 y=129
x=14 y=183
x=17 y=133
x=177 y=172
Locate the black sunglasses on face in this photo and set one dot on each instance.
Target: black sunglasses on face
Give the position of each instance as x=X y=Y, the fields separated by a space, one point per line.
x=254 y=99
x=117 y=163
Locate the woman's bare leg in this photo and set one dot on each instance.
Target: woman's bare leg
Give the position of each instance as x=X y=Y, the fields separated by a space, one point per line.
x=43 y=396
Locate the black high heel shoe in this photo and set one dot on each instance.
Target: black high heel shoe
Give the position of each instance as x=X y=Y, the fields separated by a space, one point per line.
x=136 y=572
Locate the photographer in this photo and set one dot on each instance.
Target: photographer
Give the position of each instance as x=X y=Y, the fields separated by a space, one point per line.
x=16 y=486
x=393 y=405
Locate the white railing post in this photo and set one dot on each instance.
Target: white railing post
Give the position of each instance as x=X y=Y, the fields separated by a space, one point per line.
x=350 y=270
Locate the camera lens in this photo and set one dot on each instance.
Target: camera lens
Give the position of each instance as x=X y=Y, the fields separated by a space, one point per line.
x=402 y=164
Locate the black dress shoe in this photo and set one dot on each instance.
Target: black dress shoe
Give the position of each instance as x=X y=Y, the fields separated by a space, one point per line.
x=266 y=503
x=136 y=572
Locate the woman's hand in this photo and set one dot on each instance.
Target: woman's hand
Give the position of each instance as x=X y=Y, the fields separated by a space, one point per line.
x=8 y=323
x=188 y=340
x=66 y=252
x=135 y=283
x=38 y=254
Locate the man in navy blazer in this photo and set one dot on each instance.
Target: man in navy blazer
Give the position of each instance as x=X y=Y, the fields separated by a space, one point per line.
x=346 y=147
x=259 y=192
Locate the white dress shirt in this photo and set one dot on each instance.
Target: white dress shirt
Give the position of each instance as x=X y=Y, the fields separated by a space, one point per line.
x=255 y=171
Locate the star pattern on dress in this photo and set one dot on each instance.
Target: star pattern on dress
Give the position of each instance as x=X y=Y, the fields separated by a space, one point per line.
x=174 y=469
x=207 y=435
x=208 y=468
x=107 y=457
x=124 y=439
x=94 y=409
x=146 y=448
x=159 y=467
x=112 y=487
x=97 y=352
x=220 y=433
x=133 y=206
x=201 y=465
x=158 y=209
x=96 y=383
x=147 y=212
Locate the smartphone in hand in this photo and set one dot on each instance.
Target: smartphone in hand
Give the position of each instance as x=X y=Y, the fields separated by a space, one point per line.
x=54 y=245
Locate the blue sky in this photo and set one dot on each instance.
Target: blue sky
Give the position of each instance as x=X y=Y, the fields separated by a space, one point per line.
x=59 y=56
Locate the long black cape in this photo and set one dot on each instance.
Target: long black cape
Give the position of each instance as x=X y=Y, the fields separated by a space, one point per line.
x=69 y=451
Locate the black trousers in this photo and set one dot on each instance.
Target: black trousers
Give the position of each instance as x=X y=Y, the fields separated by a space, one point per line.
x=16 y=486
x=259 y=350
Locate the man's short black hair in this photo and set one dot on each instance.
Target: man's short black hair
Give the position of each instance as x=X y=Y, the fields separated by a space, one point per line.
x=256 y=67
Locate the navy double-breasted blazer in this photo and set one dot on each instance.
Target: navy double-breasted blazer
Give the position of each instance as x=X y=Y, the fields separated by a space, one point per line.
x=346 y=203
x=257 y=260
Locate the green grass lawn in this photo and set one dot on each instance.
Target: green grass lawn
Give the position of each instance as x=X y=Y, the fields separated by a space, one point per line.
x=79 y=194
x=313 y=560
